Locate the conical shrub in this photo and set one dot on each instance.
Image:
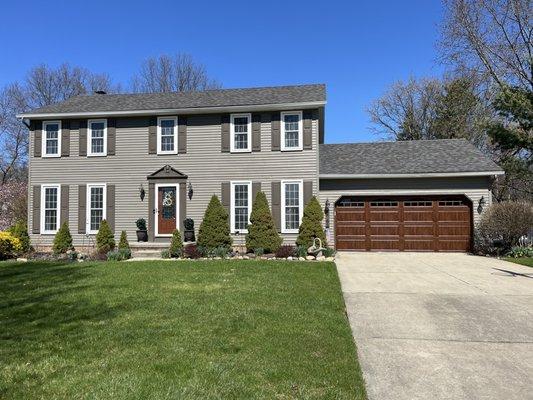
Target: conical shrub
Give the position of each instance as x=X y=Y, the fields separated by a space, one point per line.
x=123 y=242
x=105 y=239
x=311 y=226
x=214 y=230
x=176 y=245
x=262 y=232
x=62 y=240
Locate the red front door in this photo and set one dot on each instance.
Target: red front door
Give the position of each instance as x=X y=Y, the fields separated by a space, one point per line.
x=166 y=219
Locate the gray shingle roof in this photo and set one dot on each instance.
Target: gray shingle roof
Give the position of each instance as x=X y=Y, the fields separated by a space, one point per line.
x=408 y=157
x=184 y=100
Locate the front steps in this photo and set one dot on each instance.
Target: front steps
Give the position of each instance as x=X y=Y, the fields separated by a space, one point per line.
x=147 y=250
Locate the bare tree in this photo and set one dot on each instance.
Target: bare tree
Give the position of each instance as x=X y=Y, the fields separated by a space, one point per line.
x=490 y=38
x=179 y=73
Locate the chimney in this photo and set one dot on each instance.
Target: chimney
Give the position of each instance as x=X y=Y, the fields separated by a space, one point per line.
x=100 y=92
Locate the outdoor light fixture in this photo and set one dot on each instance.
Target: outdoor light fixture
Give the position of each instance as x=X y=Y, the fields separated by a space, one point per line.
x=142 y=193
x=481 y=204
x=190 y=191
x=326 y=213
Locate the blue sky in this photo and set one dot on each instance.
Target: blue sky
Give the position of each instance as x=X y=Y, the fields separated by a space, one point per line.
x=357 y=48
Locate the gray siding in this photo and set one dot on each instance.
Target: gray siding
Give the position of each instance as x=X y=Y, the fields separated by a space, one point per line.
x=204 y=163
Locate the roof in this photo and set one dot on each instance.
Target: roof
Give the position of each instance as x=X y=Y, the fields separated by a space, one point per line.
x=418 y=157
x=108 y=103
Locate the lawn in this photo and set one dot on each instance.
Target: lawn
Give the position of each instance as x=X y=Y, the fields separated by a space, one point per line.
x=527 y=261
x=175 y=330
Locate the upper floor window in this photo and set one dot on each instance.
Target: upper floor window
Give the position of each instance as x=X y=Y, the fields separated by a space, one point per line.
x=240 y=133
x=97 y=137
x=292 y=205
x=291 y=130
x=52 y=139
x=241 y=206
x=167 y=135
x=50 y=199
x=96 y=206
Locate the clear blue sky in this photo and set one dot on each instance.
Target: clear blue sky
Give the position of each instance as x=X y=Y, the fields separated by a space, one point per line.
x=357 y=48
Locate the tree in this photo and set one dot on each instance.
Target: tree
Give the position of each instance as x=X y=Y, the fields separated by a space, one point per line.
x=214 y=230
x=177 y=73
x=311 y=226
x=13 y=203
x=176 y=245
x=262 y=232
x=20 y=231
x=62 y=240
x=492 y=39
x=123 y=242
x=105 y=239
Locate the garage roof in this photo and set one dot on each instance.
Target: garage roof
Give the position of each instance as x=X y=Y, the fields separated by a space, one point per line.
x=420 y=157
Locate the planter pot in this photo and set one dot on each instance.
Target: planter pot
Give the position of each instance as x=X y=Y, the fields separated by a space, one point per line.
x=188 y=236
x=142 y=236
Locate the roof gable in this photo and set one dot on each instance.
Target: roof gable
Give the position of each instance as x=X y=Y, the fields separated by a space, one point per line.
x=167 y=172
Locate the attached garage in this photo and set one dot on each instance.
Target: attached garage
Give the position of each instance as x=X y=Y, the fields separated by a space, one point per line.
x=404 y=196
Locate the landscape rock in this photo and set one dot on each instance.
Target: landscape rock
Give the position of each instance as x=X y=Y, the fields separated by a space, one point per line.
x=309 y=258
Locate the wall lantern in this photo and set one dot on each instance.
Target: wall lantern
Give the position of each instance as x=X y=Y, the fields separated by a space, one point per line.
x=326 y=213
x=190 y=191
x=142 y=193
x=481 y=204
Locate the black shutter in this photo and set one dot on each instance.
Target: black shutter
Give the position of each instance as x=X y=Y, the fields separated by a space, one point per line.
x=65 y=190
x=225 y=141
x=110 y=207
x=182 y=134
x=276 y=204
x=82 y=208
x=308 y=129
x=256 y=132
x=36 y=214
x=111 y=136
x=275 y=128
x=152 y=136
x=37 y=138
x=65 y=138
x=83 y=139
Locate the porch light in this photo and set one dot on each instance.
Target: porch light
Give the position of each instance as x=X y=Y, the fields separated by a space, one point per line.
x=142 y=193
x=190 y=191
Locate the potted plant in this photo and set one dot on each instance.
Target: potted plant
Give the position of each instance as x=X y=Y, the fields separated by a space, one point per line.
x=188 y=234
x=142 y=233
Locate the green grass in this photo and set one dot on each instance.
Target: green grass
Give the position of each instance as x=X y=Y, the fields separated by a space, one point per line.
x=527 y=261
x=175 y=330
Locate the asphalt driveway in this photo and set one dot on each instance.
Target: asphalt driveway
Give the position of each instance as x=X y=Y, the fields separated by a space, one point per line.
x=440 y=326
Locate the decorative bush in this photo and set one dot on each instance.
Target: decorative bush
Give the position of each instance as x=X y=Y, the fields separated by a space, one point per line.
x=192 y=251
x=301 y=251
x=20 y=231
x=214 y=229
x=502 y=225
x=259 y=251
x=176 y=245
x=123 y=242
x=165 y=254
x=262 y=232
x=519 y=252
x=125 y=253
x=62 y=240
x=10 y=246
x=141 y=224
x=114 y=255
x=105 y=240
x=329 y=252
x=311 y=226
x=285 y=251
x=220 y=251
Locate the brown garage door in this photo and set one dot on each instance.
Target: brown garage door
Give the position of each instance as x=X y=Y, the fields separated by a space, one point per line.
x=434 y=223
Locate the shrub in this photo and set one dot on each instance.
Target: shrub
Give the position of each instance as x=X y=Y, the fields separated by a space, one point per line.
x=285 y=251
x=311 y=226
x=192 y=251
x=105 y=240
x=301 y=251
x=259 y=251
x=62 y=240
x=328 y=252
x=262 y=232
x=123 y=242
x=119 y=255
x=176 y=245
x=141 y=224
x=502 y=225
x=220 y=251
x=20 y=231
x=10 y=246
x=214 y=229
x=165 y=254
x=125 y=253
x=519 y=252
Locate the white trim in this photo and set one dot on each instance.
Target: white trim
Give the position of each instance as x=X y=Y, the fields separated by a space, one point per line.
x=90 y=137
x=58 y=211
x=248 y=149
x=300 y=131
x=88 y=206
x=300 y=182
x=420 y=175
x=43 y=140
x=174 y=111
x=175 y=119
x=156 y=205
x=232 y=204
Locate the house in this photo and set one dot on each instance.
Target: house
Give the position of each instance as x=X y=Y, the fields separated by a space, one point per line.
x=162 y=156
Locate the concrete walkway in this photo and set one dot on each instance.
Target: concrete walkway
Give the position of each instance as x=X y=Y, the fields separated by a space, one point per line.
x=440 y=326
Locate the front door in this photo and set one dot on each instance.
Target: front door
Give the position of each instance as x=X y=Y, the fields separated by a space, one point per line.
x=166 y=210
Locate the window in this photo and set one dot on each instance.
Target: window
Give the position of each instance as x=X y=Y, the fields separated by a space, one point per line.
x=291 y=131
x=96 y=206
x=167 y=136
x=241 y=206
x=349 y=202
x=450 y=203
x=97 y=137
x=51 y=145
x=418 y=203
x=292 y=205
x=384 y=203
x=240 y=130
x=50 y=203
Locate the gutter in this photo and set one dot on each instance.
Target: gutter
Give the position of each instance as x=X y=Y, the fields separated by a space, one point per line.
x=175 y=111
x=418 y=175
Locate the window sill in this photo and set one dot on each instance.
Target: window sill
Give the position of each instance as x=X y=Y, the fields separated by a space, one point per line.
x=97 y=155
x=51 y=156
x=48 y=232
x=292 y=149
x=241 y=151
x=167 y=153
x=289 y=230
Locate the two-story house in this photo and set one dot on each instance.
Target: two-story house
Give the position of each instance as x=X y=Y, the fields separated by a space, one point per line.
x=162 y=156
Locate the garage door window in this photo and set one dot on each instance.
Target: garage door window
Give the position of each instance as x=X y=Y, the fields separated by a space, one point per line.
x=450 y=203
x=417 y=203
x=292 y=199
x=384 y=203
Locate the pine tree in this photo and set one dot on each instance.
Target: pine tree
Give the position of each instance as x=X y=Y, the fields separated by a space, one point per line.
x=62 y=240
x=214 y=229
x=311 y=226
x=123 y=242
x=176 y=245
x=20 y=231
x=105 y=239
x=262 y=232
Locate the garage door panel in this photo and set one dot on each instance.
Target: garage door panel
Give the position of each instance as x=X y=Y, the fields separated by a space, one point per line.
x=428 y=223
